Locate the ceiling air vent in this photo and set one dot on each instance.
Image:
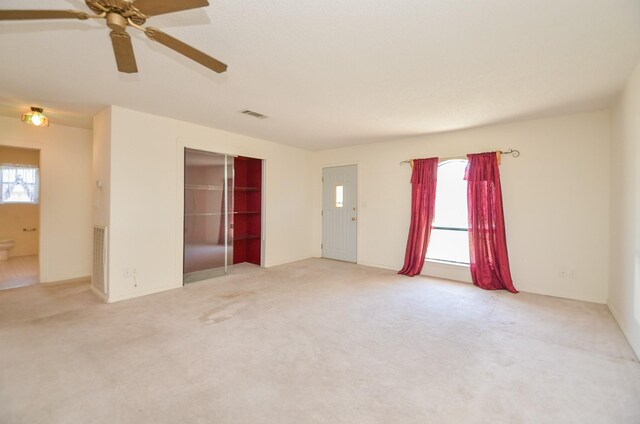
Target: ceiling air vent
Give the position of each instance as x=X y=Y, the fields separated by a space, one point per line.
x=254 y=114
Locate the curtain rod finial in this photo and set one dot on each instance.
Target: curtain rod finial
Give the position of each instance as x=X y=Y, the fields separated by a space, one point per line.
x=513 y=152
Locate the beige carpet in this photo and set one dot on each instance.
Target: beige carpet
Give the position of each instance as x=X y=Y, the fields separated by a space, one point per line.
x=315 y=341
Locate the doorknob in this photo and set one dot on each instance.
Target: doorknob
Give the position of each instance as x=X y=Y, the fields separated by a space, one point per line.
x=353 y=219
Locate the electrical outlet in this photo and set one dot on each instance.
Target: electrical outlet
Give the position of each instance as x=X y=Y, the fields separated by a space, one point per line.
x=572 y=274
x=562 y=273
x=130 y=274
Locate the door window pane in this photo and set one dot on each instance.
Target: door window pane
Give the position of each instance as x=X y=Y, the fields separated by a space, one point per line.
x=339 y=196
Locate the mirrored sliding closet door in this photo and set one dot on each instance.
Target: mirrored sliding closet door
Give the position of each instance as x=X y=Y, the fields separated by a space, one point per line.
x=208 y=208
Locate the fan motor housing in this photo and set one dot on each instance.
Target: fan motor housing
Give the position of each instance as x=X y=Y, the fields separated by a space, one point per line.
x=123 y=8
x=116 y=22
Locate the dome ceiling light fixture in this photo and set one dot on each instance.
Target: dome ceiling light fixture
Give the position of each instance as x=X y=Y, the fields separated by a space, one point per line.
x=35 y=117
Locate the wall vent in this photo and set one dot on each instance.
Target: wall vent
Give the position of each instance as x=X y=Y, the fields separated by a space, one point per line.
x=254 y=114
x=99 y=275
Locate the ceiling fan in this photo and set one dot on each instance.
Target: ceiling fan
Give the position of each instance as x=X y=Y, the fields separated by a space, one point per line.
x=120 y=14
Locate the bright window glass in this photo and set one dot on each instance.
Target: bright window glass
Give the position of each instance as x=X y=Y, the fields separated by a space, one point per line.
x=339 y=196
x=19 y=184
x=449 y=237
x=449 y=246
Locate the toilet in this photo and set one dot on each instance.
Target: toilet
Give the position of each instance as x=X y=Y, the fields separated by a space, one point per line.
x=5 y=245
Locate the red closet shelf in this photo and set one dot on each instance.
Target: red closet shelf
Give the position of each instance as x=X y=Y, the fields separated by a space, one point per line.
x=247 y=189
x=247 y=202
x=245 y=237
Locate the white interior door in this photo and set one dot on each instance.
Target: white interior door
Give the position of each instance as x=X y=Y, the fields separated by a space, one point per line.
x=339 y=213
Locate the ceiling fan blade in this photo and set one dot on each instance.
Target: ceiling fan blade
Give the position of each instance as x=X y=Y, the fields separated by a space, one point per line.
x=158 y=7
x=123 y=50
x=185 y=49
x=17 y=15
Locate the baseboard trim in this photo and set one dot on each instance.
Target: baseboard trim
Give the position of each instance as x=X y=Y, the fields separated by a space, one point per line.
x=86 y=279
x=127 y=296
x=625 y=331
x=287 y=261
x=377 y=266
x=101 y=295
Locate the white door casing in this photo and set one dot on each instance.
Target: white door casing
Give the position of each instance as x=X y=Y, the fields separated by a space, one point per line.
x=339 y=213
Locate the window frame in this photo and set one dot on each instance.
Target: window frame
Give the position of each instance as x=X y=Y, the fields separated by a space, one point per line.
x=445 y=228
x=35 y=199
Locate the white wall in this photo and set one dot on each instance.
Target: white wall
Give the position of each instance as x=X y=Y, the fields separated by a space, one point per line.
x=624 y=291
x=556 y=199
x=146 y=181
x=65 y=195
x=102 y=167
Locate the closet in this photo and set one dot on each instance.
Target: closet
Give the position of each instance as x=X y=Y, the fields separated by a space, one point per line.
x=222 y=213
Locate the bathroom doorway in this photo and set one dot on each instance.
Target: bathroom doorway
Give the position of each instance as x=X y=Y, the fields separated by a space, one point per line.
x=19 y=216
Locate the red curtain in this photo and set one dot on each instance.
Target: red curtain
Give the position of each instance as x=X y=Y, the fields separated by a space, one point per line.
x=423 y=200
x=487 y=239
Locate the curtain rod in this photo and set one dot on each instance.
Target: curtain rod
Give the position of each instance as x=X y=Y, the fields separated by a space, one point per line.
x=513 y=152
x=19 y=165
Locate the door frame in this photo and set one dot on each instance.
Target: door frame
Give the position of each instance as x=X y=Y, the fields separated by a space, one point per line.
x=358 y=203
x=41 y=253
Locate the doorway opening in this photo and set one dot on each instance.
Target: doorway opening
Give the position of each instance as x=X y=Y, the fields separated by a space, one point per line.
x=19 y=216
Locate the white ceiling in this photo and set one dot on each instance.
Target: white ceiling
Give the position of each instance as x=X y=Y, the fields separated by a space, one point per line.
x=334 y=72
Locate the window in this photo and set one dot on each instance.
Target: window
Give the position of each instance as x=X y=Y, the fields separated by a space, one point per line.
x=449 y=235
x=339 y=196
x=19 y=184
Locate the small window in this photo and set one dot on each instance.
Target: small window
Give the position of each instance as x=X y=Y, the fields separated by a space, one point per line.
x=19 y=184
x=449 y=234
x=339 y=196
